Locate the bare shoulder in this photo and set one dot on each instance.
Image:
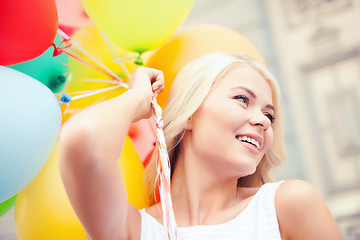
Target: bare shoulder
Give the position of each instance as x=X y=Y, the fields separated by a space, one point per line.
x=302 y=213
x=296 y=193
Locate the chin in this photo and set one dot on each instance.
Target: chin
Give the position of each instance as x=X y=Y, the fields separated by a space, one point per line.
x=244 y=169
x=249 y=171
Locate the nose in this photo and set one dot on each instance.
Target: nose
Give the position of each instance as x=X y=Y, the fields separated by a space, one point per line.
x=259 y=119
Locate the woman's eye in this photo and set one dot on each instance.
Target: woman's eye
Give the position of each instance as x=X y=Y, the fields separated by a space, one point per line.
x=270 y=116
x=242 y=98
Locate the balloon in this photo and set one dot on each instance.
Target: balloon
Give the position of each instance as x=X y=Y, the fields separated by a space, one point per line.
x=29 y=126
x=148 y=157
x=43 y=211
x=27 y=29
x=143 y=136
x=51 y=71
x=140 y=25
x=71 y=16
x=7 y=205
x=193 y=42
x=132 y=171
x=71 y=13
x=67 y=29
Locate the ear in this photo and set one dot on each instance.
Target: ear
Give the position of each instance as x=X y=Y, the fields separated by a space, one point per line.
x=189 y=123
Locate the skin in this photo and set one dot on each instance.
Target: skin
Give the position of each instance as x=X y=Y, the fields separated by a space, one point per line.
x=210 y=161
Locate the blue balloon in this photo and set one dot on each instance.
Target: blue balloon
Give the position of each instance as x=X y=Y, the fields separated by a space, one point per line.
x=30 y=122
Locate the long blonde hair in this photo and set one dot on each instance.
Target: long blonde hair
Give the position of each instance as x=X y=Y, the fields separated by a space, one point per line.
x=188 y=91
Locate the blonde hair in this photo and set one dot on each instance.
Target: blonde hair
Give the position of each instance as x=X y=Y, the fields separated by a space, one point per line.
x=188 y=91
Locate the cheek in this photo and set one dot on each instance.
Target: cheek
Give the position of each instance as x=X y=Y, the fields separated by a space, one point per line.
x=210 y=129
x=220 y=116
x=269 y=139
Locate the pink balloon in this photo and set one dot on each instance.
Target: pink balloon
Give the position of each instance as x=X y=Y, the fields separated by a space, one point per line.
x=71 y=13
x=142 y=134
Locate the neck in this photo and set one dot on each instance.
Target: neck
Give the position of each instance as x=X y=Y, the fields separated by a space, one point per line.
x=199 y=192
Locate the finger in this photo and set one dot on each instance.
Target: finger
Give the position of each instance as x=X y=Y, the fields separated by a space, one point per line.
x=155 y=75
x=159 y=80
x=157 y=91
x=158 y=84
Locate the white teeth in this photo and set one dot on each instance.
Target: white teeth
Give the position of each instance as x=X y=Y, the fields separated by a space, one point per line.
x=250 y=140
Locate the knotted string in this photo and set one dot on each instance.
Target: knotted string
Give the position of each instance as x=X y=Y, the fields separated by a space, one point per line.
x=65 y=98
x=164 y=173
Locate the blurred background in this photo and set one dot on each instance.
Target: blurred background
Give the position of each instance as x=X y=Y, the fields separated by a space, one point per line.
x=313 y=49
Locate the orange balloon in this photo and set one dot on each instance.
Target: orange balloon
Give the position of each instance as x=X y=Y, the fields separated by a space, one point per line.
x=193 y=42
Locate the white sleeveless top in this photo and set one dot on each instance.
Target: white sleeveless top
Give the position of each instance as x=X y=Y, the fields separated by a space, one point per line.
x=257 y=221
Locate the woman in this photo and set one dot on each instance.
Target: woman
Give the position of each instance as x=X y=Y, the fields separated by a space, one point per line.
x=223 y=132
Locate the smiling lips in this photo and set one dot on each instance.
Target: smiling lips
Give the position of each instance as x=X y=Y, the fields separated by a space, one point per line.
x=249 y=140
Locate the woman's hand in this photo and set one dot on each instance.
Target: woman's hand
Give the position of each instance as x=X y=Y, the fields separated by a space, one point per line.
x=146 y=82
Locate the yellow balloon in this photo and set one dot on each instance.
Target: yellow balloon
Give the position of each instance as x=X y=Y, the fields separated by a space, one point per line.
x=132 y=171
x=139 y=25
x=43 y=211
x=85 y=78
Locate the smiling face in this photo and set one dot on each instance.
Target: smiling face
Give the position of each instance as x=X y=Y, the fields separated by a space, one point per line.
x=232 y=129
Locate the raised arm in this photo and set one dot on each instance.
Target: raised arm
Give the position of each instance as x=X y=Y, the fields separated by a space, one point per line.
x=90 y=145
x=302 y=213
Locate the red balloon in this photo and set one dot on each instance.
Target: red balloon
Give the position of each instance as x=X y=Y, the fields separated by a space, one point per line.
x=27 y=29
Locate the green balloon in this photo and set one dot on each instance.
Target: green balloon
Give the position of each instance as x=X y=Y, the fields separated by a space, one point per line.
x=51 y=71
x=6 y=205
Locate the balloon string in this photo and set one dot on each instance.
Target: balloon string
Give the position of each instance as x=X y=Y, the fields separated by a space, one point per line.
x=96 y=92
x=88 y=64
x=164 y=173
x=118 y=60
x=60 y=49
x=66 y=98
x=129 y=59
x=108 y=70
x=77 y=92
x=99 y=80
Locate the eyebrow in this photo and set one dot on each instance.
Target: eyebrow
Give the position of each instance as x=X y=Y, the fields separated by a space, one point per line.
x=254 y=96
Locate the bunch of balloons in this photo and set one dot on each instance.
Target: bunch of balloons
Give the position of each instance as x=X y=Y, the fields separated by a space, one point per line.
x=113 y=32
